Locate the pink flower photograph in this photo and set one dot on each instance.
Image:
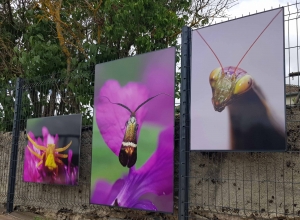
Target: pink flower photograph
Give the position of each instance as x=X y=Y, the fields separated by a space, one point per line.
x=52 y=151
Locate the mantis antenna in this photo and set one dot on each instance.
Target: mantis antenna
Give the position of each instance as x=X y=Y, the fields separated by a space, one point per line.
x=256 y=40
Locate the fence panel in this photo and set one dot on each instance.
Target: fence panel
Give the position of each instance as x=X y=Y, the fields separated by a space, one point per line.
x=48 y=97
x=229 y=185
x=221 y=185
x=7 y=93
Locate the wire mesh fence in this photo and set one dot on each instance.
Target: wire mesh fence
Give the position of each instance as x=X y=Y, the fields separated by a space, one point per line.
x=6 y=123
x=265 y=185
x=220 y=185
x=49 y=97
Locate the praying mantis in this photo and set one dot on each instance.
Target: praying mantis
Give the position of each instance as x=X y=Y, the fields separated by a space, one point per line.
x=252 y=126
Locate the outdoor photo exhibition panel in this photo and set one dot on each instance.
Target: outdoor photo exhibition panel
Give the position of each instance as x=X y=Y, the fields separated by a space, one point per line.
x=133 y=132
x=52 y=151
x=238 y=85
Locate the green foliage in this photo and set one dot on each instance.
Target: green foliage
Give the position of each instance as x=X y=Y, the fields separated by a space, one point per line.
x=7 y=106
x=55 y=47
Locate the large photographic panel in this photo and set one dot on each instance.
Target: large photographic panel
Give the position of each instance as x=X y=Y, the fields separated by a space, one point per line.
x=52 y=150
x=238 y=85
x=133 y=132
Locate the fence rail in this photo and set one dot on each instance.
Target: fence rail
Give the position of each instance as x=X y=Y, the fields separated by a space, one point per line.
x=255 y=185
x=36 y=98
x=207 y=184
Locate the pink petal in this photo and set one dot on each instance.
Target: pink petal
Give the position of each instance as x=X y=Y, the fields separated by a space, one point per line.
x=155 y=176
x=31 y=172
x=145 y=205
x=158 y=170
x=159 y=78
x=45 y=133
x=70 y=154
x=56 y=139
x=111 y=118
x=48 y=138
x=105 y=193
x=154 y=179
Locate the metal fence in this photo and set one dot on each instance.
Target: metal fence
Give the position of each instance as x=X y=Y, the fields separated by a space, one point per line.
x=227 y=185
x=212 y=185
x=6 y=141
x=36 y=97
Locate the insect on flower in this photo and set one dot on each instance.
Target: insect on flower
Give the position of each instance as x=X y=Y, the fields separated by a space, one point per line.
x=128 y=151
x=50 y=155
x=154 y=177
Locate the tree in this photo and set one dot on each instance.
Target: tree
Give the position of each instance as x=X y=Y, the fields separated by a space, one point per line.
x=60 y=41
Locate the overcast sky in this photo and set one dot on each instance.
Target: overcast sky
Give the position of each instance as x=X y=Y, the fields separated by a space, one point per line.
x=244 y=7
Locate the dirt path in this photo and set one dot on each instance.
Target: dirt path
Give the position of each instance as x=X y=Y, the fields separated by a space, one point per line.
x=19 y=216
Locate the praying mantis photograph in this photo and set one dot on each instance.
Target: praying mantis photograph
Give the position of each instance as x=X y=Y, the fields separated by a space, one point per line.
x=52 y=150
x=238 y=85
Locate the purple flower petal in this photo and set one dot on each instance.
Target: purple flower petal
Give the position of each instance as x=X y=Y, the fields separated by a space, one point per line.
x=70 y=154
x=105 y=193
x=159 y=78
x=31 y=171
x=48 y=138
x=158 y=170
x=111 y=118
x=71 y=171
x=154 y=177
x=161 y=202
x=45 y=133
x=70 y=176
x=145 y=205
